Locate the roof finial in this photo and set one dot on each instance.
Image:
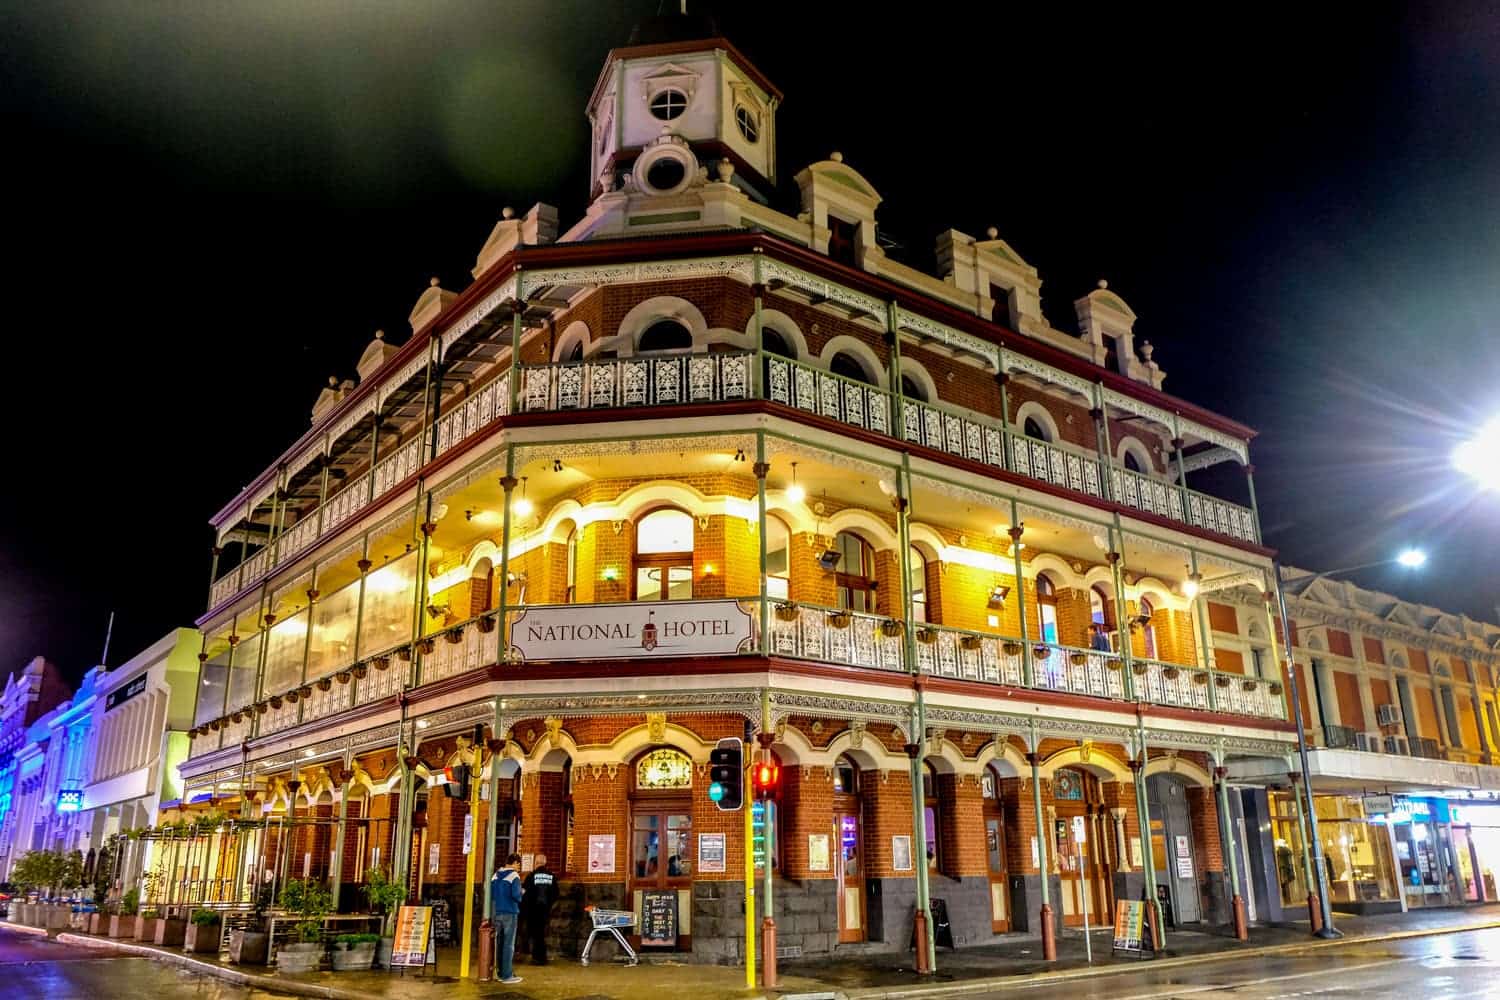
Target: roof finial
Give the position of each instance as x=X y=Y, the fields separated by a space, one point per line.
x=433 y=282
x=507 y=212
x=333 y=381
x=836 y=156
x=992 y=233
x=1103 y=283
x=379 y=334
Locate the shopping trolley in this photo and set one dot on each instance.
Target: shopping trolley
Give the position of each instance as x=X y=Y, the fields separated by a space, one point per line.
x=611 y=921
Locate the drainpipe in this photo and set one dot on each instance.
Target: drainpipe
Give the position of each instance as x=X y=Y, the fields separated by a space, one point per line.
x=926 y=950
x=1318 y=889
x=1105 y=446
x=1016 y=529
x=758 y=374
x=1007 y=439
x=1048 y=927
x=1254 y=507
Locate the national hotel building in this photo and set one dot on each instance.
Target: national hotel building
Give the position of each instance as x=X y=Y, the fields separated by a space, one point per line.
x=698 y=465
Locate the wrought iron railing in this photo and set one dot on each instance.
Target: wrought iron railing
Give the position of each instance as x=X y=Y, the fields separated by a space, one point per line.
x=1077 y=671
x=652 y=380
x=970 y=656
x=832 y=636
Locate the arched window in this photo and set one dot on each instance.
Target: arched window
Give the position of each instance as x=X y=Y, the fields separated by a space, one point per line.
x=911 y=390
x=576 y=353
x=847 y=365
x=918 y=586
x=856 y=572
x=663 y=769
x=1033 y=428
x=1046 y=599
x=665 y=335
x=664 y=556
x=661 y=820
x=1148 y=630
x=1102 y=616
x=1132 y=463
x=778 y=558
x=572 y=591
x=772 y=342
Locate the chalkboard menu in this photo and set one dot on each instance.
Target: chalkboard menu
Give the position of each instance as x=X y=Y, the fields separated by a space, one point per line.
x=659 y=918
x=442 y=921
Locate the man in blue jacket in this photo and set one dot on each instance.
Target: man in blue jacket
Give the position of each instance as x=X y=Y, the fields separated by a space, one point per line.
x=505 y=905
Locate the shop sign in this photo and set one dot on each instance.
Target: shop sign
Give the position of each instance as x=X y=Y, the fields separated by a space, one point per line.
x=628 y=631
x=69 y=800
x=413 y=928
x=1379 y=805
x=121 y=695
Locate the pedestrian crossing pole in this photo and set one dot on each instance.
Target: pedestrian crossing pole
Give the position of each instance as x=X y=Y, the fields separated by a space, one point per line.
x=471 y=821
x=749 y=883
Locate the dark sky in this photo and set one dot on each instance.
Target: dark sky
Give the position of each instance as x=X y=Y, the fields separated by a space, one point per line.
x=210 y=207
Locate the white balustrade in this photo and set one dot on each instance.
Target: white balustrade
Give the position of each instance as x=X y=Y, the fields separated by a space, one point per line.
x=1171 y=684
x=816 y=391
x=836 y=637
x=969 y=656
x=377 y=683
x=1077 y=671
x=651 y=380
x=450 y=657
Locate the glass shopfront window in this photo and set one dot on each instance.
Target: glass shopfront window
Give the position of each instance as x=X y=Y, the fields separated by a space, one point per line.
x=1356 y=850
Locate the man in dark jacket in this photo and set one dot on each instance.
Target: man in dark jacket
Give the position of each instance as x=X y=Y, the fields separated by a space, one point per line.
x=540 y=892
x=505 y=904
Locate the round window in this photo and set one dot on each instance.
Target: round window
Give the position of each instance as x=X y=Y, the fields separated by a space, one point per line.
x=666 y=173
x=669 y=104
x=749 y=125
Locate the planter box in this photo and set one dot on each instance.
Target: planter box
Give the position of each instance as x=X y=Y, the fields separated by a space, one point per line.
x=121 y=926
x=98 y=923
x=56 y=918
x=248 y=947
x=383 y=952
x=170 y=931
x=355 y=959
x=145 y=928
x=299 y=958
x=201 y=939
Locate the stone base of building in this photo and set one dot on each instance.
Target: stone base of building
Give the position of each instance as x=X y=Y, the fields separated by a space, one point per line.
x=1026 y=903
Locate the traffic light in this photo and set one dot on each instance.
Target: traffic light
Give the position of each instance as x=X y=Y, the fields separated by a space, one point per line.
x=726 y=774
x=766 y=776
x=457 y=786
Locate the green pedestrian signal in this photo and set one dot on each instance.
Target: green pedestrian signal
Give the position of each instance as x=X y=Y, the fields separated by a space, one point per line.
x=726 y=774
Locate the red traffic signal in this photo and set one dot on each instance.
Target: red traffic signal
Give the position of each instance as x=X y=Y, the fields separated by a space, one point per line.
x=457 y=785
x=766 y=777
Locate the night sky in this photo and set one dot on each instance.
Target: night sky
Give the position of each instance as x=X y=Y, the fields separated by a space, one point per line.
x=211 y=206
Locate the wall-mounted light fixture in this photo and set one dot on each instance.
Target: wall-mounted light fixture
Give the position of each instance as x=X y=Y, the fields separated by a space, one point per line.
x=998 y=593
x=795 y=493
x=611 y=573
x=524 y=506
x=829 y=559
x=1191 y=585
x=557 y=465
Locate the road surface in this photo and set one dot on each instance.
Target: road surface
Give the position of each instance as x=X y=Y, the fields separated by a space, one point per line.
x=33 y=968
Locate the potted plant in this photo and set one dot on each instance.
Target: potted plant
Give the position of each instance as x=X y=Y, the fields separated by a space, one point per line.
x=838 y=619
x=404 y=654
x=308 y=902
x=170 y=931
x=361 y=671
x=1221 y=681
x=343 y=677
x=927 y=635
x=250 y=945
x=1170 y=673
x=1247 y=685
x=487 y=624
x=1200 y=678
x=1275 y=688
x=386 y=897
x=893 y=628
x=354 y=952
x=1012 y=648
x=1138 y=668
x=145 y=924
x=969 y=642
x=122 y=923
x=426 y=646
x=203 y=933
x=1041 y=652
x=787 y=611
x=1078 y=659
x=324 y=683
x=382 y=662
x=455 y=635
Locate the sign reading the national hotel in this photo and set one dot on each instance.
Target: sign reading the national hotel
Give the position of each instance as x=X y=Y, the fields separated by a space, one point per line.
x=627 y=631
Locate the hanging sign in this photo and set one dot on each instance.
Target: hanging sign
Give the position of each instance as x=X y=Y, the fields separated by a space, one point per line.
x=602 y=853
x=1379 y=805
x=630 y=631
x=413 y=929
x=711 y=852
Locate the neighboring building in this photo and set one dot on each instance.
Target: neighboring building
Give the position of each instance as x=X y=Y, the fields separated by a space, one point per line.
x=700 y=467
x=1399 y=701
x=29 y=694
x=69 y=727
x=142 y=710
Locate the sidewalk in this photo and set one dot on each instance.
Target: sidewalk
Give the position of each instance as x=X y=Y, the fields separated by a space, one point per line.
x=855 y=974
x=561 y=979
x=1018 y=958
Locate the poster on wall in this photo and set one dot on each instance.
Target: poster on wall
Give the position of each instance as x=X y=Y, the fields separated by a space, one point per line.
x=528 y=862
x=901 y=853
x=817 y=852
x=432 y=859
x=1036 y=855
x=602 y=853
x=710 y=852
x=1184 y=857
x=1136 y=858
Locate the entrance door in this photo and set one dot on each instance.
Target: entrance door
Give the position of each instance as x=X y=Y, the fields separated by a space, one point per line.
x=994 y=848
x=661 y=855
x=1172 y=846
x=1079 y=865
x=848 y=852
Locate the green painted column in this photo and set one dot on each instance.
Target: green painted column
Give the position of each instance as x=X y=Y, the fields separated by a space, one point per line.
x=1143 y=812
x=1028 y=670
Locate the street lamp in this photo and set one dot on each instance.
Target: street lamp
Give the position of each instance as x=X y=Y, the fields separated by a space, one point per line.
x=1479 y=458
x=1408 y=558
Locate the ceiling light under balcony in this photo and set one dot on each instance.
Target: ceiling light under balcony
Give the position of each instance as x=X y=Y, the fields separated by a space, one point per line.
x=795 y=493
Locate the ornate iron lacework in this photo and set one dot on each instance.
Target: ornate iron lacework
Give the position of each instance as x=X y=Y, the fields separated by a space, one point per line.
x=526 y=454
x=390 y=385
x=1021 y=363
x=478 y=314
x=740 y=267
x=773 y=270
x=948 y=335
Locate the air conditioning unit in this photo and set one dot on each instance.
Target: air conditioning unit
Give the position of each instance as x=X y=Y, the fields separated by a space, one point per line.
x=1366 y=742
x=1386 y=715
x=1396 y=744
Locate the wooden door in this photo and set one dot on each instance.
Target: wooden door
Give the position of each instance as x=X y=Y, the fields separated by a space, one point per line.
x=662 y=850
x=849 y=866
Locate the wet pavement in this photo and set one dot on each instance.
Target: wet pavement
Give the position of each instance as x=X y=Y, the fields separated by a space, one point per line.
x=34 y=968
x=1444 y=967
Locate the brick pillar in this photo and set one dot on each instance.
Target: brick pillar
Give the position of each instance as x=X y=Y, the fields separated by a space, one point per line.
x=807 y=801
x=741 y=557
x=347 y=859
x=888 y=584
x=602 y=550
x=542 y=816
x=1203 y=811
x=810 y=582
x=886 y=796
x=601 y=805
x=961 y=826
x=709 y=551
x=1074 y=614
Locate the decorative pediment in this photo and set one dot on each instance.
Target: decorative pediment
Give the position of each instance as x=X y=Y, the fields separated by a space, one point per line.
x=671 y=75
x=747 y=95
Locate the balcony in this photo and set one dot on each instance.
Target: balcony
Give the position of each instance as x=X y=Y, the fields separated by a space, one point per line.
x=726 y=377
